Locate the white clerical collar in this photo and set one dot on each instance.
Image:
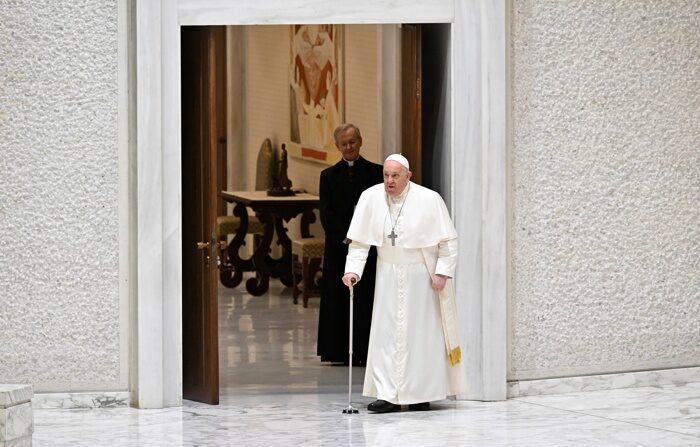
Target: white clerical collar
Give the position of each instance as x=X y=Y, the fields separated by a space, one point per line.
x=400 y=198
x=350 y=162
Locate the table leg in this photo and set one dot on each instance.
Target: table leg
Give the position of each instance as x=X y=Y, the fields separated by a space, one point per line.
x=308 y=217
x=282 y=268
x=231 y=273
x=272 y=263
x=261 y=283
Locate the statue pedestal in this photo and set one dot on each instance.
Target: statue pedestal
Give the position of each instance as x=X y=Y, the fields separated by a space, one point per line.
x=280 y=192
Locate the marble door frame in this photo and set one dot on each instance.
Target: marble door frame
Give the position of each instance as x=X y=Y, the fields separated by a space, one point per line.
x=478 y=154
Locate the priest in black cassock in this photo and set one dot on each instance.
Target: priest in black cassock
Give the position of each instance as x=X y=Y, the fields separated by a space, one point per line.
x=340 y=188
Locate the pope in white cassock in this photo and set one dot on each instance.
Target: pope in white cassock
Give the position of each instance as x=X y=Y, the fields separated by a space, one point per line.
x=414 y=355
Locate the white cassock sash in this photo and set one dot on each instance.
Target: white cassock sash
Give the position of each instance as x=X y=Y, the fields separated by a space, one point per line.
x=448 y=309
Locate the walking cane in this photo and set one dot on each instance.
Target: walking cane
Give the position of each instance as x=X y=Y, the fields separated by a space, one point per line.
x=350 y=409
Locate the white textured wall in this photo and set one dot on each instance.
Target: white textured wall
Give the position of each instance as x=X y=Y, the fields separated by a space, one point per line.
x=606 y=186
x=59 y=300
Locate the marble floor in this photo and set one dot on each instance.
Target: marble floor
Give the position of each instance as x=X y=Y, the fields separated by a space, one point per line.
x=275 y=392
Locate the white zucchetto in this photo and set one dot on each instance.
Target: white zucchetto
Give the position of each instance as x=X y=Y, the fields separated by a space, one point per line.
x=400 y=159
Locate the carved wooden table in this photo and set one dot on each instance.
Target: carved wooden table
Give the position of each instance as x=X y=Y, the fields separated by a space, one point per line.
x=272 y=212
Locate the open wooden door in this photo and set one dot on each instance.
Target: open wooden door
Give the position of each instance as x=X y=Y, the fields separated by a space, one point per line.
x=203 y=127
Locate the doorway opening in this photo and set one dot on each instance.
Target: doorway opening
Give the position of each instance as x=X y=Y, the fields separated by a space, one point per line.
x=235 y=94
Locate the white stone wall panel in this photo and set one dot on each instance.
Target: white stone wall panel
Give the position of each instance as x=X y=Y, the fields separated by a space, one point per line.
x=606 y=186
x=59 y=303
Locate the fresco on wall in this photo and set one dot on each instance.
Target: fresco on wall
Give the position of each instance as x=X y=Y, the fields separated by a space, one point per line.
x=316 y=90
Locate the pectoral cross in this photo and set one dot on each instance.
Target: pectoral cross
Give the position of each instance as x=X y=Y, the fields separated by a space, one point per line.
x=393 y=237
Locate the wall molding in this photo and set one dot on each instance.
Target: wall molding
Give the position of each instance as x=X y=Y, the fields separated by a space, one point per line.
x=478 y=156
x=94 y=399
x=660 y=377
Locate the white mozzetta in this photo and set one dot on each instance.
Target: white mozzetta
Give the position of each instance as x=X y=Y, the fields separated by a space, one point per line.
x=606 y=187
x=59 y=295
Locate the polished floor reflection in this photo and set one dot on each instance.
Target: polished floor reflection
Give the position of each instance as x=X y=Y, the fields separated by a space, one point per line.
x=275 y=392
x=267 y=344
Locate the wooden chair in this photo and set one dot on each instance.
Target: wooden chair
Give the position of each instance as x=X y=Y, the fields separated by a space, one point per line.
x=226 y=225
x=307 y=255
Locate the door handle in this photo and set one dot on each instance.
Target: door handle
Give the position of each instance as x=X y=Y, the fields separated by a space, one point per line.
x=212 y=247
x=205 y=246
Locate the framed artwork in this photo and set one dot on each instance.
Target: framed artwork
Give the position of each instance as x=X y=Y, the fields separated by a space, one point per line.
x=316 y=77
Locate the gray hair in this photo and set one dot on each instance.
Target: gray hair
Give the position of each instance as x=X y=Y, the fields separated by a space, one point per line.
x=343 y=127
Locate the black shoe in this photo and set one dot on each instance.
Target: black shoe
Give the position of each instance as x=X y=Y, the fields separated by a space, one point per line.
x=423 y=406
x=382 y=406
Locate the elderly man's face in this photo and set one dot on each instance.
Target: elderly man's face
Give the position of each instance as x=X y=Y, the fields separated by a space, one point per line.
x=349 y=144
x=396 y=177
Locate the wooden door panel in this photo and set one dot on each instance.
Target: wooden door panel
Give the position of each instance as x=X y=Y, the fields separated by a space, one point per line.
x=202 y=51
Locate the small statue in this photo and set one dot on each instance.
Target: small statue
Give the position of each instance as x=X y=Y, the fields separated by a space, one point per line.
x=283 y=186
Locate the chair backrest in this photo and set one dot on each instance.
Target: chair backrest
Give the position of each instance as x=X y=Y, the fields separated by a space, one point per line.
x=266 y=169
